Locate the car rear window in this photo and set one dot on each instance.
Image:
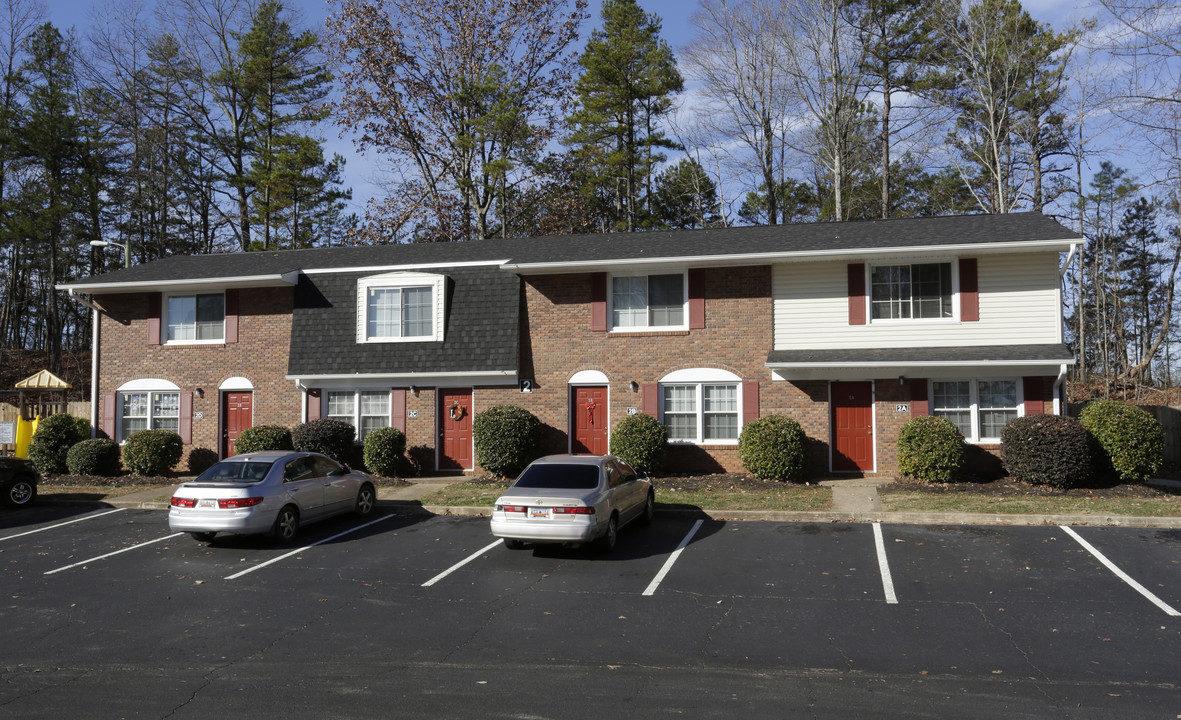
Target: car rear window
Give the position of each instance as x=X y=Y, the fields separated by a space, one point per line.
x=235 y=472
x=561 y=477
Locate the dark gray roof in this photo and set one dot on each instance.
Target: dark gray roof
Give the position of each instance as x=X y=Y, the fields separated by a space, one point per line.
x=1033 y=354
x=483 y=308
x=871 y=235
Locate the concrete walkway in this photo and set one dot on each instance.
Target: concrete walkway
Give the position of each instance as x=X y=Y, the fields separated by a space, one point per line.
x=856 y=495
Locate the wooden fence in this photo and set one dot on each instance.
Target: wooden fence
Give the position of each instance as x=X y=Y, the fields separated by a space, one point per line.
x=1170 y=420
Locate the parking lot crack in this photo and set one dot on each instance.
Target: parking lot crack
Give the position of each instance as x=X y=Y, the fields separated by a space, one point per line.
x=1016 y=646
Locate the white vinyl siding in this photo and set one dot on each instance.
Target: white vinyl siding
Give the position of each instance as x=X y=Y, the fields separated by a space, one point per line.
x=1019 y=305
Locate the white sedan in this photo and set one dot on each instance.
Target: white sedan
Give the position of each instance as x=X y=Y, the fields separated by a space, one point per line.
x=572 y=499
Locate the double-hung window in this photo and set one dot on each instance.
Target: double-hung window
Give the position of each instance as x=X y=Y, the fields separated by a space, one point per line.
x=365 y=410
x=918 y=291
x=979 y=408
x=196 y=318
x=648 y=301
x=701 y=412
x=149 y=411
x=400 y=307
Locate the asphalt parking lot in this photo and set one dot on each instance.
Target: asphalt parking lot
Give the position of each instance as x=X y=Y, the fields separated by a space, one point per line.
x=1030 y=621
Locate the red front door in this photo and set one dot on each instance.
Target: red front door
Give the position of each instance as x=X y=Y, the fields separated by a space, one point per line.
x=455 y=429
x=237 y=414
x=852 y=423
x=590 y=421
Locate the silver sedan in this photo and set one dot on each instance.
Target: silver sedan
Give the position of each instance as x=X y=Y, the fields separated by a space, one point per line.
x=572 y=499
x=268 y=492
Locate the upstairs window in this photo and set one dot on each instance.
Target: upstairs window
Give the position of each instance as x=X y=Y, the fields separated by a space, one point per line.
x=400 y=307
x=919 y=291
x=648 y=301
x=195 y=318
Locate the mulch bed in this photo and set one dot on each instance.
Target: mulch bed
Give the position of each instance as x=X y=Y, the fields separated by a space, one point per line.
x=1011 y=487
x=150 y=480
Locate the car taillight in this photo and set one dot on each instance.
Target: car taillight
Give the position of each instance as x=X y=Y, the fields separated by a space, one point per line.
x=574 y=511
x=235 y=503
x=511 y=508
x=184 y=502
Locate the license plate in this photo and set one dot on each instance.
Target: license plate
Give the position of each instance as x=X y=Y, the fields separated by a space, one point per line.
x=538 y=512
x=206 y=503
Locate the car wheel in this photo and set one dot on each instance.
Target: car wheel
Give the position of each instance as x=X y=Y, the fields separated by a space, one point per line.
x=286 y=525
x=512 y=544
x=366 y=499
x=649 y=508
x=19 y=492
x=606 y=543
x=204 y=537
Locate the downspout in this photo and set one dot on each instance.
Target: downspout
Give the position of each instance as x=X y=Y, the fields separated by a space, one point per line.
x=303 y=405
x=94 y=345
x=1060 y=406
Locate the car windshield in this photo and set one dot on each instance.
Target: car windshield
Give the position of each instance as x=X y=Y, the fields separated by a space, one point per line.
x=236 y=472
x=560 y=477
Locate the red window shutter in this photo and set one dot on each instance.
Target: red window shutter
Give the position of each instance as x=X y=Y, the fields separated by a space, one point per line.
x=919 y=398
x=599 y=302
x=1034 y=403
x=649 y=400
x=398 y=409
x=856 y=293
x=231 y=316
x=969 y=291
x=109 y=416
x=154 y=318
x=696 y=299
x=313 y=404
x=750 y=402
x=186 y=418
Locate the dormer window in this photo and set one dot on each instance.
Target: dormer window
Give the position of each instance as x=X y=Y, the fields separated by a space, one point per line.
x=400 y=307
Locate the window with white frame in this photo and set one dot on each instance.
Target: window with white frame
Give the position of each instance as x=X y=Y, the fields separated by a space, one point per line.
x=400 y=307
x=365 y=410
x=147 y=410
x=918 y=291
x=195 y=318
x=648 y=301
x=701 y=406
x=979 y=408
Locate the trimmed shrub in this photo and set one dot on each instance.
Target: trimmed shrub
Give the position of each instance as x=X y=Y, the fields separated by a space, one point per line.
x=99 y=456
x=1048 y=450
x=384 y=448
x=774 y=447
x=55 y=436
x=152 y=452
x=1130 y=443
x=328 y=436
x=931 y=449
x=640 y=441
x=201 y=459
x=263 y=437
x=506 y=439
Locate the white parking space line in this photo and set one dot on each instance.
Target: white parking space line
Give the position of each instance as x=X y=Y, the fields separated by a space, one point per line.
x=884 y=565
x=272 y=561
x=461 y=563
x=672 y=559
x=1121 y=574
x=117 y=552
x=70 y=522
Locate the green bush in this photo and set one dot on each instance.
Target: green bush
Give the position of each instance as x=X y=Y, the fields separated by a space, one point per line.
x=1130 y=442
x=506 y=439
x=384 y=448
x=99 y=456
x=328 y=436
x=263 y=437
x=152 y=452
x=774 y=447
x=931 y=449
x=1048 y=450
x=640 y=441
x=55 y=436
x=201 y=459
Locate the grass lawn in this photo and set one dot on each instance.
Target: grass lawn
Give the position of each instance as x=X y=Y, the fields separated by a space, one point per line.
x=1168 y=506
x=786 y=497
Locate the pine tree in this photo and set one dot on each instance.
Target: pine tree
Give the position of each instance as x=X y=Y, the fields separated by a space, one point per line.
x=686 y=197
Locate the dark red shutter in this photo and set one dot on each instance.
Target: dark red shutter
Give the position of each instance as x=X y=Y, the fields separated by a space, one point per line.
x=231 y=316
x=398 y=409
x=154 y=318
x=313 y=404
x=969 y=291
x=1034 y=403
x=599 y=302
x=696 y=299
x=856 y=293
x=750 y=402
x=186 y=418
x=649 y=400
x=109 y=415
x=919 y=398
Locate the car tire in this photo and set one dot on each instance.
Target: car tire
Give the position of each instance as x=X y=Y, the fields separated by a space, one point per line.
x=286 y=527
x=19 y=492
x=366 y=500
x=606 y=542
x=649 y=508
x=205 y=537
x=512 y=544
